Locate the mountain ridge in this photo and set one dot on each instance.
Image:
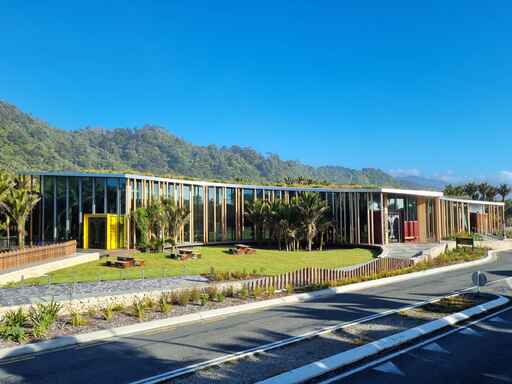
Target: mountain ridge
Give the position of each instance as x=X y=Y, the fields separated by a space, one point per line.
x=29 y=143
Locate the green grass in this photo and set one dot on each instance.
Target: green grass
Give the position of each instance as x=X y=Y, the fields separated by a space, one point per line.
x=264 y=261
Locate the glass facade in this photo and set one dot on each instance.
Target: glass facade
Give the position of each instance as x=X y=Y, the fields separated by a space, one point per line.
x=217 y=212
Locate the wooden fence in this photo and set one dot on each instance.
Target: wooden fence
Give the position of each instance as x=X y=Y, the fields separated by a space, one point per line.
x=31 y=255
x=308 y=276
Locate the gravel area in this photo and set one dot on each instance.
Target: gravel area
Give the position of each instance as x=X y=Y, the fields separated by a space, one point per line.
x=126 y=316
x=37 y=293
x=262 y=366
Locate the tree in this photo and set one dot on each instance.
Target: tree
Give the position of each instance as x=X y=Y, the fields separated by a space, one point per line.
x=483 y=190
x=175 y=217
x=504 y=190
x=324 y=225
x=20 y=201
x=471 y=190
x=311 y=208
x=257 y=213
x=141 y=219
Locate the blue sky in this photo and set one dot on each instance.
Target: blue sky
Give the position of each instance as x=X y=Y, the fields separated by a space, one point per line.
x=409 y=87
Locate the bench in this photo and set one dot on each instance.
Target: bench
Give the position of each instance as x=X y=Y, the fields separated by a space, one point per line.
x=465 y=242
x=241 y=249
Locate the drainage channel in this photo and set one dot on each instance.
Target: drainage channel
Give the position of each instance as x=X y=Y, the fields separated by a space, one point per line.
x=186 y=371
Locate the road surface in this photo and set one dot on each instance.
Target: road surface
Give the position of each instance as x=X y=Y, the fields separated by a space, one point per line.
x=142 y=355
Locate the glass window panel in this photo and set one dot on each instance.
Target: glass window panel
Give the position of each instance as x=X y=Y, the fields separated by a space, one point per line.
x=186 y=203
x=74 y=208
x=198 y=214
x=219 y=198
x=211 y=213
x=230 y=214
x=48 y=190
x=62 y=228
x=112 y=184
x=99 y=194
x=248 y=232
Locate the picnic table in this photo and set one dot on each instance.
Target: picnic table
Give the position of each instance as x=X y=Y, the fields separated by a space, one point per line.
x=242 y=249
x=185 y=254
x=125 y=262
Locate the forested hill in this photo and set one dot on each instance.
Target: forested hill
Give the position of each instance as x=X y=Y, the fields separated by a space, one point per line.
x=30 y=144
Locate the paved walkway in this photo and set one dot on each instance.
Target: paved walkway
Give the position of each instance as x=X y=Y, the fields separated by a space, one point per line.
x=408 y=250
x=38 y=293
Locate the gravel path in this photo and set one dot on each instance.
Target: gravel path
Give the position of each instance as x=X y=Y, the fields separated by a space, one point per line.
x=38 y=293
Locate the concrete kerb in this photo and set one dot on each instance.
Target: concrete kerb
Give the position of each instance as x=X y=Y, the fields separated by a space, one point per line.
x=66 y=341
x=340 y=360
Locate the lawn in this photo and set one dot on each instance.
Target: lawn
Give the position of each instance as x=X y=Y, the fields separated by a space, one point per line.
x=264 y=261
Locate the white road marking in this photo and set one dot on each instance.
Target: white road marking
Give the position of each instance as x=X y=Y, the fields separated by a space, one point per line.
x=389 y=367
x=434 y=347
x=498 y=319
x=470 y=332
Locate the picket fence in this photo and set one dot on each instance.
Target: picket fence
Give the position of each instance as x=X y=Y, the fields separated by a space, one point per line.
x=309 y=276
x=21 y=257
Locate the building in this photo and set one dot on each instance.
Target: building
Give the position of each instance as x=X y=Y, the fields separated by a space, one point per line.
x=94 y=209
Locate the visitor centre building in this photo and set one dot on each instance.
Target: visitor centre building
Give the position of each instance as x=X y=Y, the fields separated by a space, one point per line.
x=94 y=209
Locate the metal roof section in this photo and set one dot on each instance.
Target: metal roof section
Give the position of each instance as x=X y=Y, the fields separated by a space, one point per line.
x=475 y=202
x=395 y=191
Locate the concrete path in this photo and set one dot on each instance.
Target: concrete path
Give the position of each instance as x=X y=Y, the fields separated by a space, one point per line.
x=142 y=355
x=408 y=250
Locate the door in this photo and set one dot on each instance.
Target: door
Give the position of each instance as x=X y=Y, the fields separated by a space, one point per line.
x=98 y=232
x=394 y=227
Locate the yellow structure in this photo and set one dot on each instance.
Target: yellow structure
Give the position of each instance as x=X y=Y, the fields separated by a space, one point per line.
x=104 y=231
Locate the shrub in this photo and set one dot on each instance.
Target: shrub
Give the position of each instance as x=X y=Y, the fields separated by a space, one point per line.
x=271 y=291
x=175 y=297
x=15 y=318
x=117 y=307
x=148 y=302
x=164 y=305
x=139 y=309
x=244 y=293
x=230 y=291
x=107 y=312
x=42 y=316
x=14 y=333
x=92 y=312
x=257 y=292
x=184 y=297
x=76 y=318
x=212 y=292
x=195 y=295
x=290 y=289
x=220 y=297
x=203 y=299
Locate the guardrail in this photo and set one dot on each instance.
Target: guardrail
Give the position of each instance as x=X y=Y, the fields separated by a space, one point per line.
x=308 y=276
x=21 y=257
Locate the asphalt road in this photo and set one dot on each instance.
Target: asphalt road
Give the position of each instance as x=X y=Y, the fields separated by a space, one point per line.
x=481 y=355
x=142 y=355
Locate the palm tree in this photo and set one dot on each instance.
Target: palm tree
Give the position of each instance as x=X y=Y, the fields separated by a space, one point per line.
x=21 y=200
x=491 y=193
x=257 y=213
x=141 y=220
x=311 y=208
x=324 y=225
x=503 y=191
x=471 y=190
x=175 y=217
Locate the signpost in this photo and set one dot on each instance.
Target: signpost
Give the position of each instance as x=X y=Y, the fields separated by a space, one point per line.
x=479 y=279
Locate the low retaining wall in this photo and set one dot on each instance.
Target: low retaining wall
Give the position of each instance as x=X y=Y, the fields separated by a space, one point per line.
x=42 y=269
x=20 y=258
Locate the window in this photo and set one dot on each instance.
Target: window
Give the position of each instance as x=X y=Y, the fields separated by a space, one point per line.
x=62 y=225
x=186 y=204
x=248 y=232
x=112 y=185
x=198 y=214
x=48 y=207
x=74 y=208
x=99 y=195
x=230 y=214
x=219 y=199
x=211 y=213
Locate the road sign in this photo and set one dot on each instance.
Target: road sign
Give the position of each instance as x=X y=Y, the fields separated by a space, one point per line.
x=479 y=279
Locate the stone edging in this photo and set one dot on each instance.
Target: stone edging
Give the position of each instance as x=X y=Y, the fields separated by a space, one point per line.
x=340 y=360
x=66 y=341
